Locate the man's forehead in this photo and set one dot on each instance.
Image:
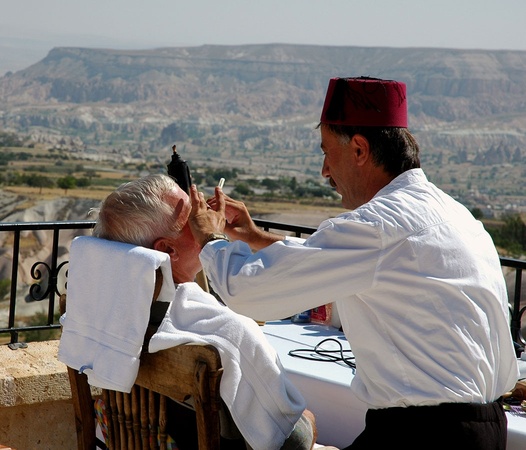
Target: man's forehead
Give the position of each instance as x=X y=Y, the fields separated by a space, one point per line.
x=181 y=203
x=326 y=137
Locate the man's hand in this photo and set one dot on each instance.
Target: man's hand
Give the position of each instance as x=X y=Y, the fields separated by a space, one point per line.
x=204 y=220
x=240 y=225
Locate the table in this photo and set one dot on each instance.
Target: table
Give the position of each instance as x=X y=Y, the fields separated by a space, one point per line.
x=325 y=385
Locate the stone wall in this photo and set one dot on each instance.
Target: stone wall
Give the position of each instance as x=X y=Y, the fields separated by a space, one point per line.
x=35 y=399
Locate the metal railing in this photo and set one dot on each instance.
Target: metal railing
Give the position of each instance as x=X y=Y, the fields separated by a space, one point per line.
x=514 y=298
x=44 y=274
x=48 y=278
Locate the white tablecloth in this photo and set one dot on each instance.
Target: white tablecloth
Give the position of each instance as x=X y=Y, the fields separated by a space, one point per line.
x=325 y=385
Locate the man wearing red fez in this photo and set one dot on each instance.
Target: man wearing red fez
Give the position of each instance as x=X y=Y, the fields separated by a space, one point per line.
x=416 y=280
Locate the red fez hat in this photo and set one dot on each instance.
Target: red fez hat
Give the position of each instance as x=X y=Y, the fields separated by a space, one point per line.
x=367 y=102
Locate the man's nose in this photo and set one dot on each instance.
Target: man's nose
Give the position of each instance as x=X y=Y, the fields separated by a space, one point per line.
x=325 y=169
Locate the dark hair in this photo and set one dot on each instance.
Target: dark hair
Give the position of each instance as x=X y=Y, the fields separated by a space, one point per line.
x=393 y=148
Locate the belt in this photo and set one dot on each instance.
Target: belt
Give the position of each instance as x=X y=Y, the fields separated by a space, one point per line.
x=454 y=412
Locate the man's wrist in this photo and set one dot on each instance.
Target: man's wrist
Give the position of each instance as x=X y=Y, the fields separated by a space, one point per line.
x=214 y=237
x=263 y=239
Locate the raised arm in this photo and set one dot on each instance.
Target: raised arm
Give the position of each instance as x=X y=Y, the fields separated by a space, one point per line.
x=223 y=214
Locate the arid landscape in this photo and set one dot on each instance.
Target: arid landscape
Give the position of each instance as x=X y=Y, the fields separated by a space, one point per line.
x=256 y=107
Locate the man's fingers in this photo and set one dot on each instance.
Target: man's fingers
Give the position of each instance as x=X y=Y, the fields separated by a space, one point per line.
x=197 y=198
x=201 y=199
x=220 y=200
x=194 y=195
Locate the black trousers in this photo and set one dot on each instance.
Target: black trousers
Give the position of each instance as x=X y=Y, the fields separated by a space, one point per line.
x=449 y=426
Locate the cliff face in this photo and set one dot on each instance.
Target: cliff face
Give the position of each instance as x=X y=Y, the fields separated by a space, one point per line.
x=231 y=91
x=441 y=83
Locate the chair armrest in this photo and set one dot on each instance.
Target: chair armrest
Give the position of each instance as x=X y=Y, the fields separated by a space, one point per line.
x=172 y=372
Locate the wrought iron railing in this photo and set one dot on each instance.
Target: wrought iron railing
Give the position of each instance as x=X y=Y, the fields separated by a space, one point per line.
x=48 y=278
x=516 y=310
x=44 y=275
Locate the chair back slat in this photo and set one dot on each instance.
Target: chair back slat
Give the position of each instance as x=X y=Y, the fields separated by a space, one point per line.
x=119 y=413
x=128 y=421
x=84 y=412
x=145 y=429
x=163 y=436
x=136 y=416
x=154 y=418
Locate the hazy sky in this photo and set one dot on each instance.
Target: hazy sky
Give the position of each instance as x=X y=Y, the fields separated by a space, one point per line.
x=35 y=26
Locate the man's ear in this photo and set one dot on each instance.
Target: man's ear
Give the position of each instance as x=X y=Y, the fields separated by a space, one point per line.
x=166 y=246
x=360 y=146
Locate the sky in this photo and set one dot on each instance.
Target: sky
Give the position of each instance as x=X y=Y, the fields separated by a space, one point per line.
x=30 y=28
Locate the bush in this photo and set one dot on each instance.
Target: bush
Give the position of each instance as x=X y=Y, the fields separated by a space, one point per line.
x=9 y=140
x=5 y=287
x=40 y=318
x=511 y=235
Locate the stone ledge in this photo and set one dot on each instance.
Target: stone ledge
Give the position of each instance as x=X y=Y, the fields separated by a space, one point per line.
x=32 y=375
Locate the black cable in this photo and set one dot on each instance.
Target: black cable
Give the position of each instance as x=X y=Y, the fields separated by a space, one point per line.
x=323 y=355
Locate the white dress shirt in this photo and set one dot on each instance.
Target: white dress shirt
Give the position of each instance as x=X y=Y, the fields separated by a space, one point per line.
x=418 y=286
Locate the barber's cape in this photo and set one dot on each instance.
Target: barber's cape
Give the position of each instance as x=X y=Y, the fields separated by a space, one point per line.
x=263 y=402
x=110 y=290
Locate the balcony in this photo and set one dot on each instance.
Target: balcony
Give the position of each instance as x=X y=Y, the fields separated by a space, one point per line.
x=37 y=255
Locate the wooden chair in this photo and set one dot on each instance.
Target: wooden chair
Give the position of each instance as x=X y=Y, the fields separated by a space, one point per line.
x=137 y=420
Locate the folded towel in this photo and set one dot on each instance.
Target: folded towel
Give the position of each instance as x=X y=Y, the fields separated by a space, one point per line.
x=110 y=290
x=264 y=404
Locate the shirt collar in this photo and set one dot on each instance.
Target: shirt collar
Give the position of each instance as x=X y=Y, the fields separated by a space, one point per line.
x=404 y=179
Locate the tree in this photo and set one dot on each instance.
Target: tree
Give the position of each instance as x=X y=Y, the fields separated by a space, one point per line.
x=90 y=173
x=293 y=184
x=242 y=189
x=511 y=235
x=271 y=185
x=83 y=182
x=515 y=230
x=67 y=182
x=39 y=181
x=477 y=213
x=9 y=140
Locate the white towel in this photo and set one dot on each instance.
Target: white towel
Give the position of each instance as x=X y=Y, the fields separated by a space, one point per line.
x=110 y=290
x=264 y=404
